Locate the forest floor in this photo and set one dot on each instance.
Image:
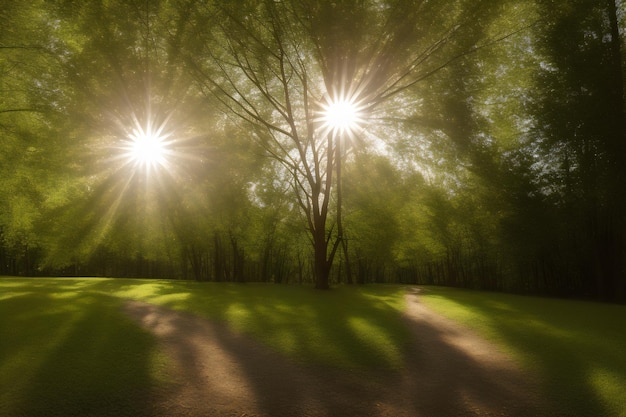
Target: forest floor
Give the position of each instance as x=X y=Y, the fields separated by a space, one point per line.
x=448 y=371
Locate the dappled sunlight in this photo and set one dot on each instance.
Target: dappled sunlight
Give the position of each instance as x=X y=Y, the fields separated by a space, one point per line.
x=393 y=298
x=63 y=295
x=610 y=386
x=349 y=328
x=238 y=314
x=59 y=339
x=12 y=282
x=176 y=300
x=298 y=321
x=570 y=351
x=13 y=294
x=140 y=291
x=353 y=330
x=377 y=339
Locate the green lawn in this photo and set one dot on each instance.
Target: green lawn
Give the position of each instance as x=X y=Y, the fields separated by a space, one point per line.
x=352 y=327
x=67 y=349
x=65 y=352
x=578 y=348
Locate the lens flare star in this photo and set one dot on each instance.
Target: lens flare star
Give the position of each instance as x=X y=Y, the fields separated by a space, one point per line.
x=341 y=115
x=147 y=146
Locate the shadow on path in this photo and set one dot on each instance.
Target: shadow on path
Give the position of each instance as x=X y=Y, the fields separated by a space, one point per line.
x=453 y=372
x=448 y=372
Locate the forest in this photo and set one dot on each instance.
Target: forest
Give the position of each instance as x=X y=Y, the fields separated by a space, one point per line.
x=484 y=147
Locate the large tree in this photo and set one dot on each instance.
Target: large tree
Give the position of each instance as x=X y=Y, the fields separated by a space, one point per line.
x=278 y=65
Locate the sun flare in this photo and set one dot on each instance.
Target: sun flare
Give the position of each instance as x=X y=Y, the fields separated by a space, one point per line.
x=342 y=115
x=146 y=146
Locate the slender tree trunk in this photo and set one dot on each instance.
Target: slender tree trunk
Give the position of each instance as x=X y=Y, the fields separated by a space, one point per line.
x=26 y=261
x=616 y=151
x=238 y=260
x=219 y=258
x=340 y=232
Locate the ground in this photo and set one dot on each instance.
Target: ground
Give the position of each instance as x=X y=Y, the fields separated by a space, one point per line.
x=449 y=371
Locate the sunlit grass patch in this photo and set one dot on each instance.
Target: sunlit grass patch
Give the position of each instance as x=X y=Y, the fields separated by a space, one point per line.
x=348 y=327
x=64 y=351
x=303 y=323
x=577 y=347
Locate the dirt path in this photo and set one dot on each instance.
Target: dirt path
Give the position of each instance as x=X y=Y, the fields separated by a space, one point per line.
x=449 y=372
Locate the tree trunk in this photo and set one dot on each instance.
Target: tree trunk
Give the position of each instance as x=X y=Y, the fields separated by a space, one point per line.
x=219 y=258
x=321 y=263
x=616 y=151
x=238 y=260
x=320 y=197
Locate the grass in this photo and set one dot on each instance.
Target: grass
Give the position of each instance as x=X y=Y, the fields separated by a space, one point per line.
x=67 y=349
x=349 y=327
x=65 y=352
x=577 y=348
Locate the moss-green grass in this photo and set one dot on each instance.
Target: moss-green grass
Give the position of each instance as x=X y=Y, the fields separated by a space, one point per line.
x=65 y=352
x=66 y=348
x=577 y=348
x=349 y=327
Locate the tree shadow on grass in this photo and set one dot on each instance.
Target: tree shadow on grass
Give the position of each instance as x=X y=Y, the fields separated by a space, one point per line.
x=568 y=343
x=419 y=369
x=221 y=372
x=75 y=355
x=342 y=327
x=452 y=371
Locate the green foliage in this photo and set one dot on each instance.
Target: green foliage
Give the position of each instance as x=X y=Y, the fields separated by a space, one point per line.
x=374 y=194
x=576 y=347
x=579 y=138
x=491 y=152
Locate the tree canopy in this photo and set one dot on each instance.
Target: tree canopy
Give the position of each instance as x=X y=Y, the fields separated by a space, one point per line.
x=483 y=145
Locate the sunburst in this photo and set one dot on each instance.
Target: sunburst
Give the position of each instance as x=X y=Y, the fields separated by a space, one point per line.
x=341 y=115
x=148 y=144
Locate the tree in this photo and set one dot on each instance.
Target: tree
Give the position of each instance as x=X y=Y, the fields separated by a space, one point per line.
x=119 y=74
x=32 y=169
x=580 y=131
x=375 y=194
x=274 y=65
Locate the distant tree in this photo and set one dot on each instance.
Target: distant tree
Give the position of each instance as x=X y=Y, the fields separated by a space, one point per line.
x=375 y=195
x=32 y=168
x=581 y=133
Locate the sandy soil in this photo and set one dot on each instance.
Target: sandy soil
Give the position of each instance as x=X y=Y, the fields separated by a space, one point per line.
x=449 y=371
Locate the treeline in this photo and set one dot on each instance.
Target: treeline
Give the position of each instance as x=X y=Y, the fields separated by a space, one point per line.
x=490 y=150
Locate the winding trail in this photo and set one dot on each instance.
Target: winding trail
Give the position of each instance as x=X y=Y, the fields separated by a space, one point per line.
x=449 y=371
